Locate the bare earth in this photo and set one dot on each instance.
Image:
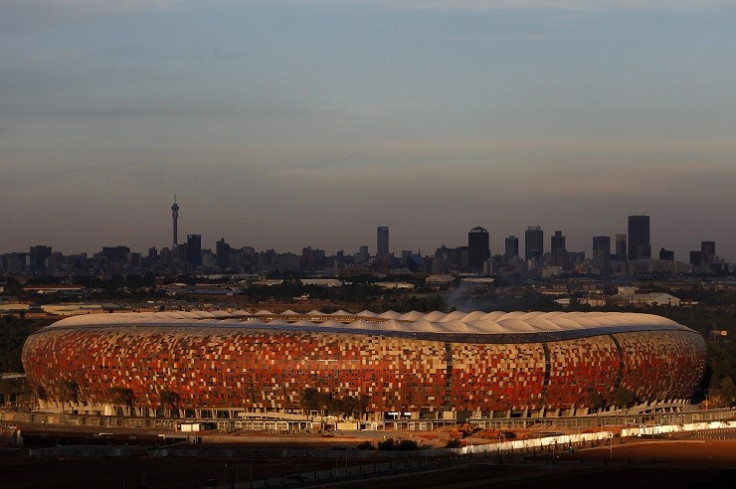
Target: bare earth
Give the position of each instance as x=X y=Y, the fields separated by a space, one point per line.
x=638 y=463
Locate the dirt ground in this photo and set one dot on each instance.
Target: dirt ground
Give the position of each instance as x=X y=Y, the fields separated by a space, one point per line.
x=697 y=461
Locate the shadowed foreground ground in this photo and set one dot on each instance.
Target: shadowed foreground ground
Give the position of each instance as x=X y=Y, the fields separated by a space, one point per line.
x=684 y=463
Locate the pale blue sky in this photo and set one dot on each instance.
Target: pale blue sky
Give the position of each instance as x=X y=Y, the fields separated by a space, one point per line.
x=283 y=124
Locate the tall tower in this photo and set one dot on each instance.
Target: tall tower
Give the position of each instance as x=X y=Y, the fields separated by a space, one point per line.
x=559 y=251
x=511 y=248
x=621 y=247
x=478 y=248
x=601 y=253
x=639 y=245
x=708 y=251
x=533 y=243
x=175 y=216
x=382 y=249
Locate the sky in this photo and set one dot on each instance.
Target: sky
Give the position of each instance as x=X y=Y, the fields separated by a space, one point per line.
x=283 y=124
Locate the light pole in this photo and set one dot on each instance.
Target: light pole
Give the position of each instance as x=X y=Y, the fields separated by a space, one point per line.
x=611 y=447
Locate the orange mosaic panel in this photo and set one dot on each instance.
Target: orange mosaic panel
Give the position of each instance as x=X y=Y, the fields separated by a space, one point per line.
x=660 y=365
x=494 y=377
x=580 y=367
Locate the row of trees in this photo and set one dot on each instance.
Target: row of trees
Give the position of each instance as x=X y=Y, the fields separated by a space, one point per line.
x=327 y=402
x=13 y=333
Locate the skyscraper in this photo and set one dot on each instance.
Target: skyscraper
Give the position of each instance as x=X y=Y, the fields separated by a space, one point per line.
x=511 y=248
x=194 y=249
x=639 y=245
x=222 y=250
x=478 y=248
x=708 y=253
x=666 y=255
x=39 y=258
x=621 y=247
x=601 y=253
x=382 y=243
x=558 y=250
x=533 y=243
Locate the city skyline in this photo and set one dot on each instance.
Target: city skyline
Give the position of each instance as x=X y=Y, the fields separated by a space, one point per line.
x=550 y=241
x=290 y=124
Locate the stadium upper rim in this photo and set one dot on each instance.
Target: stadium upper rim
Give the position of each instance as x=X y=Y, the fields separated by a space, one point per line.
x=434 y=325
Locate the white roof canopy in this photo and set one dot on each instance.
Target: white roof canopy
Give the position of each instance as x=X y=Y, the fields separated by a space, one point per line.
x=457 y=322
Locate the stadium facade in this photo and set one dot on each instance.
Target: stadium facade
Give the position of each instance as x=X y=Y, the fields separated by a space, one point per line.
x=429 y=365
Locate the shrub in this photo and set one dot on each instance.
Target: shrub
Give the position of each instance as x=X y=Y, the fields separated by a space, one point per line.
x=454 y=443
x=366 y=445
x=406 y=445
x=387 y=444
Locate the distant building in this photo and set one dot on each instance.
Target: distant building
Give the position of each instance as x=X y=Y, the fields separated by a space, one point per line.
x=559 y=251
x=511 y=248
x=39 y=257
x=382 y=247
x=533 y=243
x=621 y=247
x=667 y=255
x=194 y=249
x=478 y=248
x=655 y=299
x=639 y=245
x=601 y=253
x=708 y=253
x=222 y=251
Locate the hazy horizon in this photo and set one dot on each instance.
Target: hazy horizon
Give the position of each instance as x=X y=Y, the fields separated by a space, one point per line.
x=287 y=124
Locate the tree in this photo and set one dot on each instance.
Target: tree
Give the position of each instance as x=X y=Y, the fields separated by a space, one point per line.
x=596 y=400
x=311 y=399
x=122 y=396
x=170 y=401
x=68 y=391
x=623 y=397
x=728 y=390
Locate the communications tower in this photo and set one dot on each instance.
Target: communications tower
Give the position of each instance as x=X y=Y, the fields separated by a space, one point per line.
x=175 y=216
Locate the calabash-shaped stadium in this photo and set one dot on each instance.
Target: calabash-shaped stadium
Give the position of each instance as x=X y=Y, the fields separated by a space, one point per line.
x=526 y=363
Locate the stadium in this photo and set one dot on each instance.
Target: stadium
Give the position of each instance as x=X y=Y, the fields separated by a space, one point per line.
x=419 y=365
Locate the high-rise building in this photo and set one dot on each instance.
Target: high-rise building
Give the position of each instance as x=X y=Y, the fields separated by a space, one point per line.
x=194 y=249
x=620 y=247
x=39 y=256
x=558 y=250
x=601 y=253
x=478 y=248
x=666 y=255
x=511 y=248
x=639 y=244
x=222 y=250
x=363 y=253
x=533 y=243
x=382 y=249
x=708 y=253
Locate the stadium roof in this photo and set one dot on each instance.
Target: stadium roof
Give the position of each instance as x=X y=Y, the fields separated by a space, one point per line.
x=476 y=326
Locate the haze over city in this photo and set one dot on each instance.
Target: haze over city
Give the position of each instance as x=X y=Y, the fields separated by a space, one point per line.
x=283 y=124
